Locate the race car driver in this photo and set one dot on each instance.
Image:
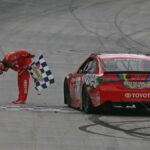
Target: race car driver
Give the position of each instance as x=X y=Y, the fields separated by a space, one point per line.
x=19 y=61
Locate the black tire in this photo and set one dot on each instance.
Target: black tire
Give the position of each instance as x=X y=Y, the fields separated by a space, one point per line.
x=140 y=106
x=106 y=107
x=67 y=97
x=86 y=101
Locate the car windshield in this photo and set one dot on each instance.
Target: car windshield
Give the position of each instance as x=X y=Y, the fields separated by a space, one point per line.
x=126 y=65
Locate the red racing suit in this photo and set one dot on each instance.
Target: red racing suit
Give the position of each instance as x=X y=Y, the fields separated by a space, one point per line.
x=20 y=61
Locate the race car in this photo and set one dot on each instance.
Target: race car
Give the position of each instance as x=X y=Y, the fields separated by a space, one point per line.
x=106 y=80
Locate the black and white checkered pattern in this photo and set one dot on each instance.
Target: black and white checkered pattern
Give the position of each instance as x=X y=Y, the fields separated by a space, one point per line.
x=41 y=74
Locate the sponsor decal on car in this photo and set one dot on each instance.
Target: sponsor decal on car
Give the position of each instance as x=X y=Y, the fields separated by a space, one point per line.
x=134 y=84
x=137 y=95
x=91 y=79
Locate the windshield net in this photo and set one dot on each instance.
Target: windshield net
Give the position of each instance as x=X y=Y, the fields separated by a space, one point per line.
x=126 y=65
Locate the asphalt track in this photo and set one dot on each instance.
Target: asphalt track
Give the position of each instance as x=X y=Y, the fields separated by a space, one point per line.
x=66 y=32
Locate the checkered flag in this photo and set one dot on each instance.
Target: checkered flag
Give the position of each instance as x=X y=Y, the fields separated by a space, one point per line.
x=41 y=74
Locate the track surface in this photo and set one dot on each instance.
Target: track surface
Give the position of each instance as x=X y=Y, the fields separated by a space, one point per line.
x=66 y=32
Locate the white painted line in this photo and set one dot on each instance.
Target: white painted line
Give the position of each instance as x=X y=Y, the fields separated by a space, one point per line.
x=37 y=109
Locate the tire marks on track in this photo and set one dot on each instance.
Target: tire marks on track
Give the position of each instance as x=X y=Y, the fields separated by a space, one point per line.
x=135 y=129
x=126 y=41
x=24 y=18
x=84 y=26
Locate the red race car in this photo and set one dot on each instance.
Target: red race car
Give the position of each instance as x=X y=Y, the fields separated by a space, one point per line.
x=104 y=80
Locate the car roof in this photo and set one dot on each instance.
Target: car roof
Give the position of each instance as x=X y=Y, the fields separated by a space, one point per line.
x=123 y=55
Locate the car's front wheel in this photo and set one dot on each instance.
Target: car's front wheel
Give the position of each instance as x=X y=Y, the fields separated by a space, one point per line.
x=67 y=97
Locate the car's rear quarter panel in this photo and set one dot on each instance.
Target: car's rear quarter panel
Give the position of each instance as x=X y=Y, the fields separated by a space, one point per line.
x=122 y=91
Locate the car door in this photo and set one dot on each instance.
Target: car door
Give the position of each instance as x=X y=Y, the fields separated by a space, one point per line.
x=89 y=67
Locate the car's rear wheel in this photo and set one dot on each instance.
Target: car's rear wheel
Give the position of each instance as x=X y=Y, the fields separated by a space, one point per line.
x=86 y=101
x=106 y=107
x=141 y=106
x=67 y=97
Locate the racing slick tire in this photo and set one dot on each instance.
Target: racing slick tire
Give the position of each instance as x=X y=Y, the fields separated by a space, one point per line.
x=106 y=107
x=67 y=97
x=86 y=101
x=141 y=106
